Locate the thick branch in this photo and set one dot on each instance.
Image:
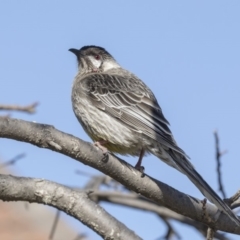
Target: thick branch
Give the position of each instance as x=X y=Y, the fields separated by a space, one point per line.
x=133 y=200
x=75 y=203
x=46 y=136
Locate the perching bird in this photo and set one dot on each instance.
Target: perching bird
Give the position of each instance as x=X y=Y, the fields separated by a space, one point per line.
x=120 y=113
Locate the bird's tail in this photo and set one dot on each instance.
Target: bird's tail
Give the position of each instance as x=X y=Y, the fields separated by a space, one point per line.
x=183 y=165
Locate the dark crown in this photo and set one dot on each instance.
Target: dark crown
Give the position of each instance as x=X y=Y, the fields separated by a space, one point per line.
x=88 y=50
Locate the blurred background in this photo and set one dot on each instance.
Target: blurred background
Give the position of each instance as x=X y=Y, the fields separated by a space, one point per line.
x=187 y=52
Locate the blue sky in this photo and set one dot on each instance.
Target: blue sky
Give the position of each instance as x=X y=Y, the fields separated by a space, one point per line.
x=188 y=53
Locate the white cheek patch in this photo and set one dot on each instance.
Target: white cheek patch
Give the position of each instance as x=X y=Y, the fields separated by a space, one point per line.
x=96 y=63
x=107 y=65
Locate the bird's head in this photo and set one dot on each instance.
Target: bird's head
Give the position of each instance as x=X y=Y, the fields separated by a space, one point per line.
x=94 y=59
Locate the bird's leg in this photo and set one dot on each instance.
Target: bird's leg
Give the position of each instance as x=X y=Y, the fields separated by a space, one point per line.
x=100 y=144
x=139 y=166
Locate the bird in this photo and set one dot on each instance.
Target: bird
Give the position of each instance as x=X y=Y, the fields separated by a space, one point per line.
x=120 y=114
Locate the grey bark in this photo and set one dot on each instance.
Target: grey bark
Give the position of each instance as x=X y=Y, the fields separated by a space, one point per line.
x=75 y=203
x=46 y=136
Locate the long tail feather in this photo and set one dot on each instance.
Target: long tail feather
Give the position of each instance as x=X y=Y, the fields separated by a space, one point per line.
x=186 y=167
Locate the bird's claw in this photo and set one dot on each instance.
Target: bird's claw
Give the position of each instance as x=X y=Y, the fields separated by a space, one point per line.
x=105 y=157
x=99 y=144
x=141 y=169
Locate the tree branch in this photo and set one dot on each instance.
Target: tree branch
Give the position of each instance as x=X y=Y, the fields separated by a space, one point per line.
x=218 y=159
x=75 y=203
x=12 y=161
x=28 y=109
x=46 y=136
x=133 y=200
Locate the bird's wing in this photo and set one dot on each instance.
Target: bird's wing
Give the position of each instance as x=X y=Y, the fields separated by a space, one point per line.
x=128 y=99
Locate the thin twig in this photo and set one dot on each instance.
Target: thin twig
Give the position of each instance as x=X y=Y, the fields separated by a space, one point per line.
x=28 y=109
x=235 y=197
x=171 y=232
x=234 y=201
x=83 y=173
x=54 y=226
x=218 y=158
x=80 y=236
x=13 y=160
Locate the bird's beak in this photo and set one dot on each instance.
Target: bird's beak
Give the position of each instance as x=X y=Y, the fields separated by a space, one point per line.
x=73 y=50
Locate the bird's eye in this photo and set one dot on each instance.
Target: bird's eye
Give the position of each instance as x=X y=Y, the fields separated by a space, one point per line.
x=97 y=57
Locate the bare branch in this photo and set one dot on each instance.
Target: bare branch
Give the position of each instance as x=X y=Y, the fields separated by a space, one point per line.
x=218 y=159
x=133 y=200
x=234 y=201
x=210 y=234
x=171 y=232
x=75 y=203
x=28 y=109
x=54 y=226
x=12 y=161
x=95 y=182
x=41 y=135
x=235 y=197
x=80 y=236
x=83 y=173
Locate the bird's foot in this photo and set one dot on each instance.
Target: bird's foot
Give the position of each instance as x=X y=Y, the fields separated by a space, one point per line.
x=139 y=166
x=99 y=144
x=140 y=169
